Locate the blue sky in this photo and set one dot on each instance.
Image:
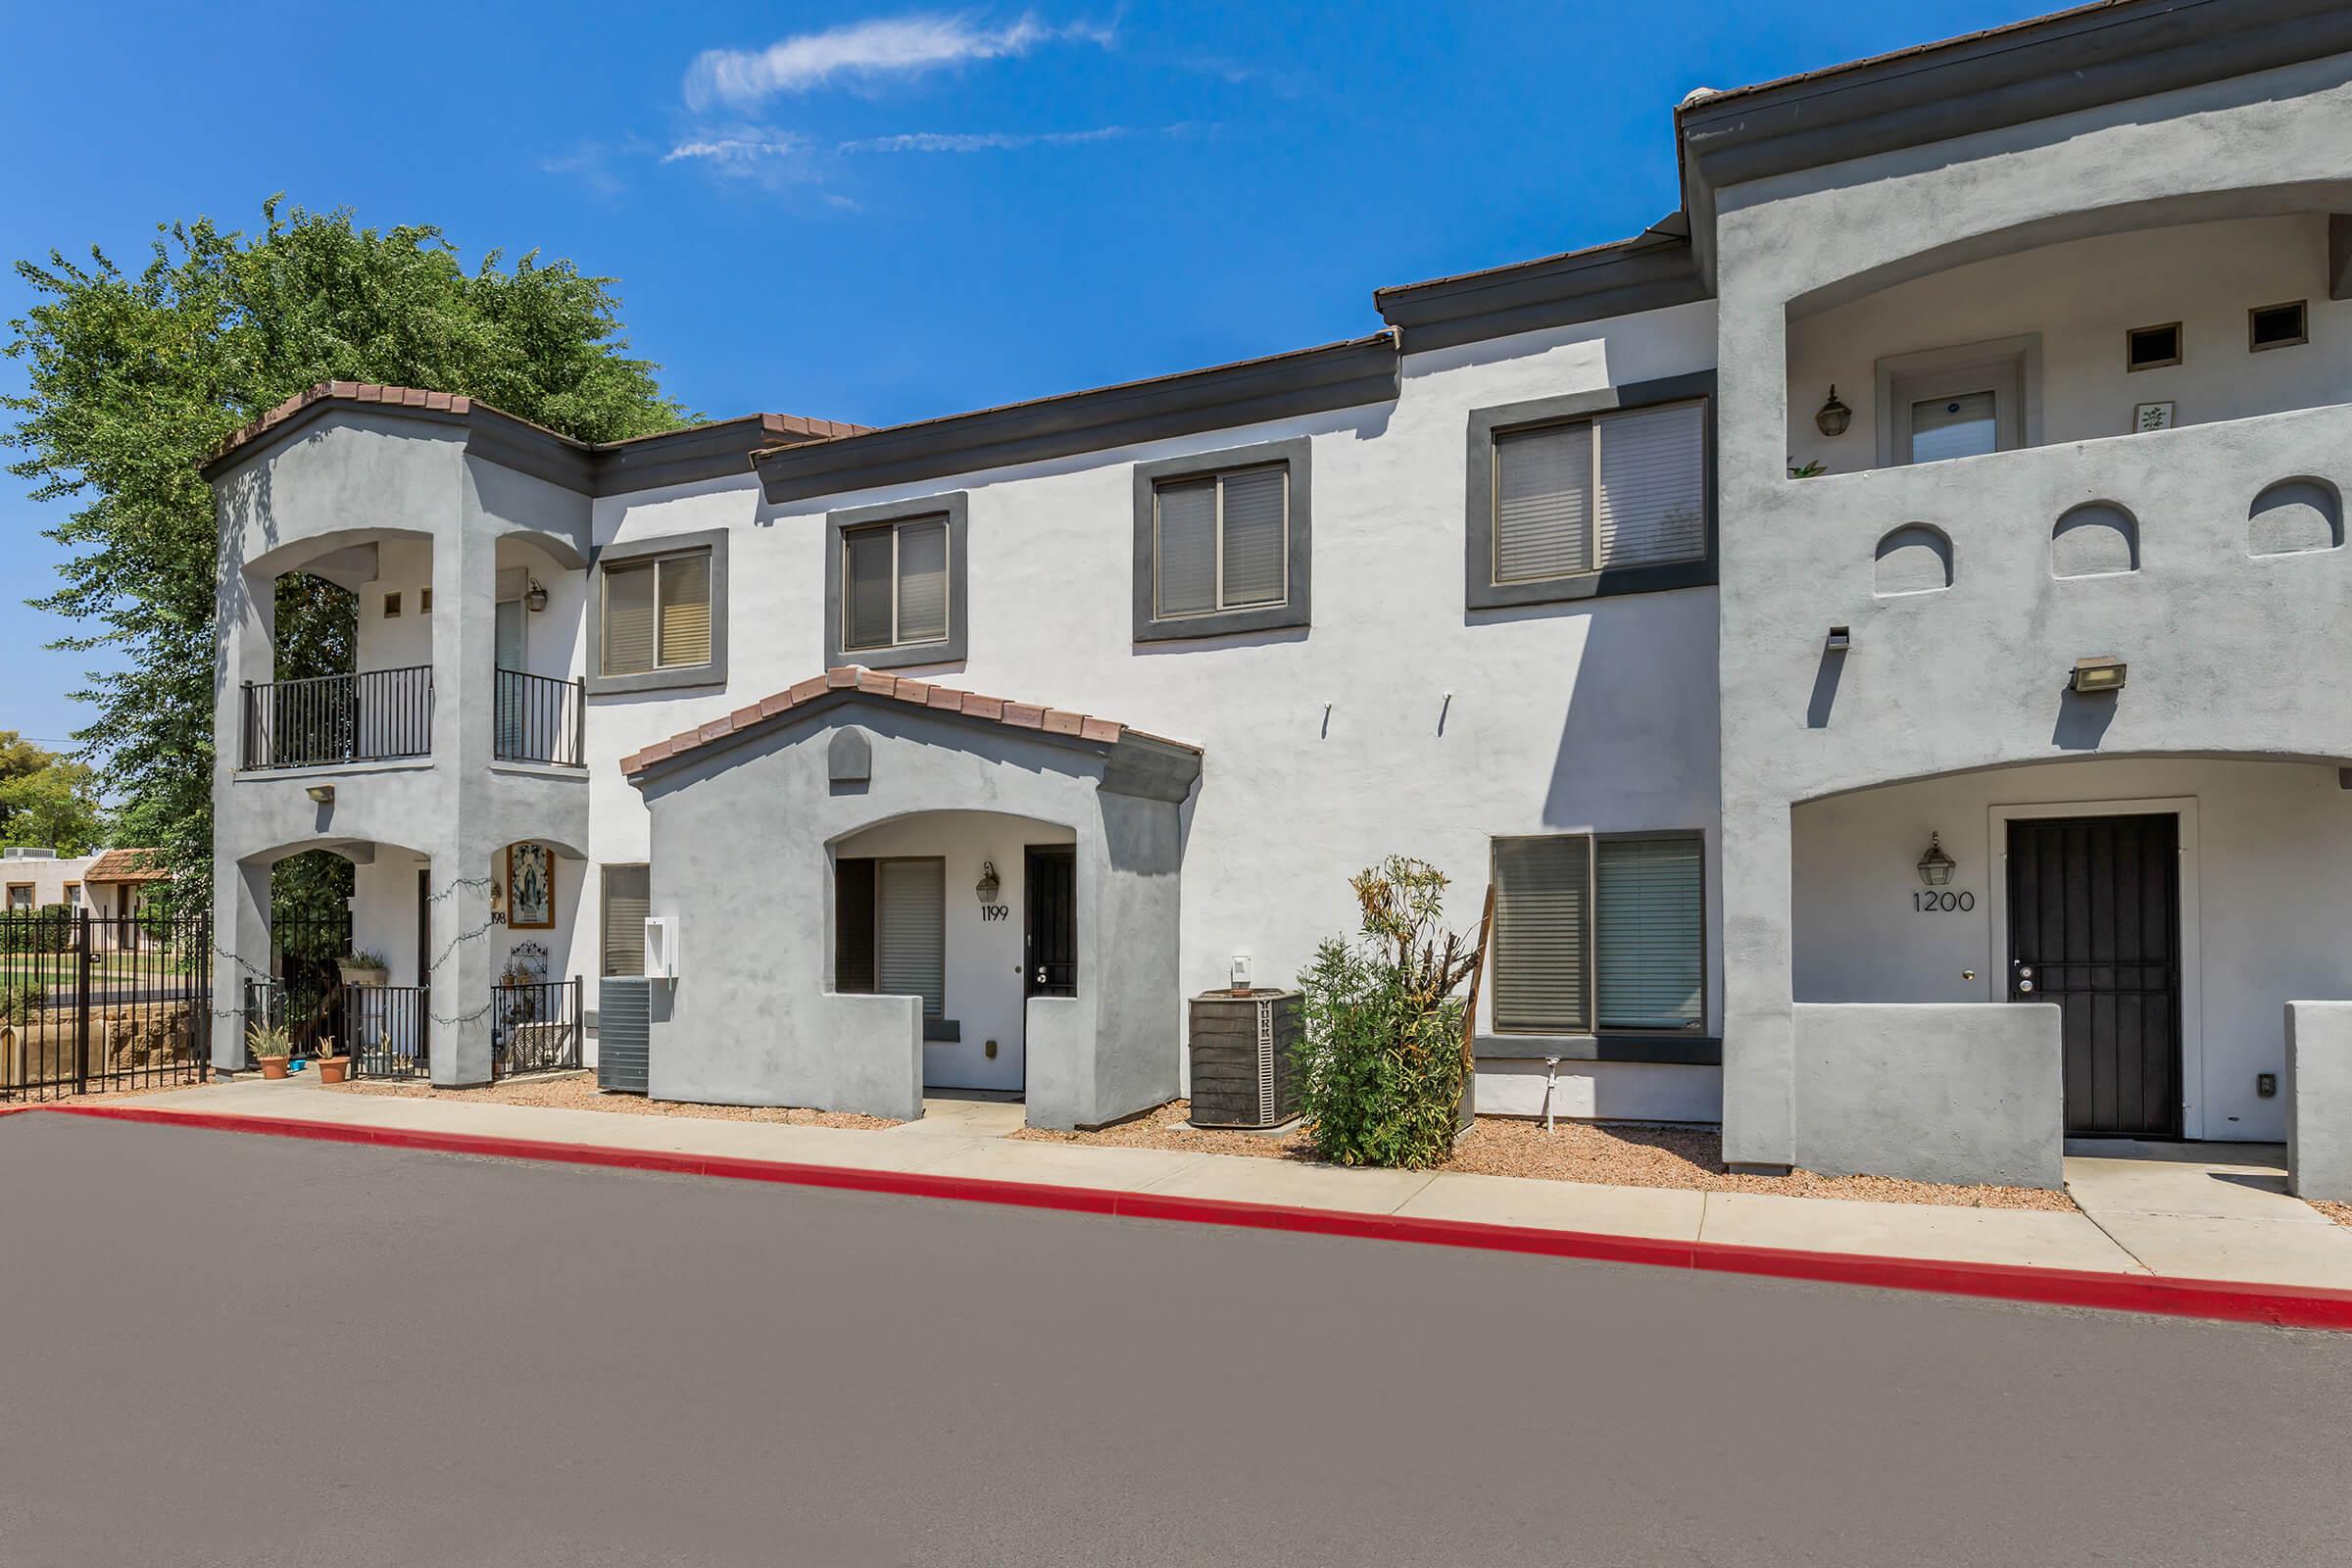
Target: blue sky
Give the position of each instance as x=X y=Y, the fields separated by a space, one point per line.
x=881 y=213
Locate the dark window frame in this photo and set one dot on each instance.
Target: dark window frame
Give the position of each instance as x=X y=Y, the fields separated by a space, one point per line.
x=1693 y=1046
x=1295 y=611
x=1480 y=590
x=955 y=506
x=676 y=677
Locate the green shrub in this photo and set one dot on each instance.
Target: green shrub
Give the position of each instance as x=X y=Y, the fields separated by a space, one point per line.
x=20 y=1000
x=1382 y=1058
x=57 y=927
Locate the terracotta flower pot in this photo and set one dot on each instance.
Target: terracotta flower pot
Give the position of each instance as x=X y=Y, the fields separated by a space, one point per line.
x=333 y=1069
x=274 y=1066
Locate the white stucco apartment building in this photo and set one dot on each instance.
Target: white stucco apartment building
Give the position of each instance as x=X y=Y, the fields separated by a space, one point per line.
x=1981 y=784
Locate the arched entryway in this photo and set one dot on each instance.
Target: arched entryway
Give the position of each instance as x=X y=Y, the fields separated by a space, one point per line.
x=974 y=913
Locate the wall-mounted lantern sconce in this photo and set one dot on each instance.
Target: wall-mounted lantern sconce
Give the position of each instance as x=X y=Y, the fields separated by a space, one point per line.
x=2094 y=676
x=534 y=598
x=1834 y=416
x=324 y=794
x=988 y=884
x=1936 y=868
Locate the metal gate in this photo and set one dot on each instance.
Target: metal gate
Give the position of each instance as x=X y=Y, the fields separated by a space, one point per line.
x=95 y=1002
x=307 y=998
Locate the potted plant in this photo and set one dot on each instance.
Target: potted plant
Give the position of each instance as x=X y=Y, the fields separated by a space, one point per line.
x=271 y=1045
x=364 y=968
x=332 y=1068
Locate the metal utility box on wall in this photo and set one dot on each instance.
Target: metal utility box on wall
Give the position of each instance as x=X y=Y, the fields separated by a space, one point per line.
x=1241 y=1046
x=661 y=947
x=623 y=1031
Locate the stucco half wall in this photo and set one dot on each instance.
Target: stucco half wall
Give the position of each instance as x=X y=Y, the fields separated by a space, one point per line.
x=2319 y=1099
x=743 y=836
x=1967 y=1092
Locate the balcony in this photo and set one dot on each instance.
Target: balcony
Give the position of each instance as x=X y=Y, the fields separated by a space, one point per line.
x=382 y=716
x=541 y=718
x=373 y=715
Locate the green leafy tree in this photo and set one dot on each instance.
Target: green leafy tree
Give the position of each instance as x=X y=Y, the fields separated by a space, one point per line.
x=133 y=378
x=47 y=801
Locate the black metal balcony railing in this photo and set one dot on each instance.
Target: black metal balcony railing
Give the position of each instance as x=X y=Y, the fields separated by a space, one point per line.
x=541 y=718
x=535 y=1028
x=373 y=715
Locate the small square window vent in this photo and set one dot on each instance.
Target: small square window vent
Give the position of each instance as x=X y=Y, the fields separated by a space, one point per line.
x=2278 y=326
x=391 y=607
x=424 y=601
x=2148 y=347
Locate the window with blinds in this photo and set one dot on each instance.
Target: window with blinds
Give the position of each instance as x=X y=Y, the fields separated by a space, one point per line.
x=656 y=614
x=1598 y=935
x=910 y=931
x=894 y=584
x=1543 y=935
x=1221 y=541
x=628 y=899
x=1649 y=961
x=1620 y=490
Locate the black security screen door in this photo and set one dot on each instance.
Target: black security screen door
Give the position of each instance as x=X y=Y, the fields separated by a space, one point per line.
x=2094 y=926
x=1052 y=876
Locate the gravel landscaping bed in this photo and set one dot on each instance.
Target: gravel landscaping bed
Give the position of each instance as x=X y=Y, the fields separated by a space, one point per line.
x=577 y=1091
x=2341 y=1214
x=1615 y=1156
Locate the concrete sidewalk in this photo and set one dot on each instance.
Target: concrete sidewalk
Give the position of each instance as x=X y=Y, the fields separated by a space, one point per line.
x=2164 y=1211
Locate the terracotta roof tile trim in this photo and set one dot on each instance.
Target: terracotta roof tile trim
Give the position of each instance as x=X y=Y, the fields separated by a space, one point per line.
x=791 y=425
x=914 y=693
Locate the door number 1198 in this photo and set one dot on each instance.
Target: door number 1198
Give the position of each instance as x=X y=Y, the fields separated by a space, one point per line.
x=1946 y=903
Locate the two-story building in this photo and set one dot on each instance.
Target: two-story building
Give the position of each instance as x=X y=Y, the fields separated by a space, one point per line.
x=1877 y=633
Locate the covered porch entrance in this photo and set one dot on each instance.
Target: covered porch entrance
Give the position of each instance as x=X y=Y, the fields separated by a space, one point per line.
x=974 y=913
x=877 y=886
x=2168 y=908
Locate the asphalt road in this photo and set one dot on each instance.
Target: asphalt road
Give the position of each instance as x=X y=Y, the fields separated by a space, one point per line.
x=220 y=1349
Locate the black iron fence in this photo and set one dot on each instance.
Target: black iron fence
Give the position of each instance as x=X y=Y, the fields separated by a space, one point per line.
x=373 y=715
x=95 y=1002
x=391 y=1030
x=541 y=719
x=535 y=1028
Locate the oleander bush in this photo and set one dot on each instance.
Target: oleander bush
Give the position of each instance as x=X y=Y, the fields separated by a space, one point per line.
x=1382 y=1058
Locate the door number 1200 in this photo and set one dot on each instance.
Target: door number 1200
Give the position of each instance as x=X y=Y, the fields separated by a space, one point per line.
x=1945 y=903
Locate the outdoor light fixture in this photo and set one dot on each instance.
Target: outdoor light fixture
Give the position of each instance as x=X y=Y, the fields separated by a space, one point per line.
x=534 y=598
x=324 y=794
x=988 y=884
x=1935 y=866
x=1834 y=416
x=2092 y=677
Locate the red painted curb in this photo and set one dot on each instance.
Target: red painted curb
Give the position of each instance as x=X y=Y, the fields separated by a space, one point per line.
x=2280 y=1305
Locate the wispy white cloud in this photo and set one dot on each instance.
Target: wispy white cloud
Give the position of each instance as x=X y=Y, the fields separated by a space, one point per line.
x=737 y=149
x=982 y=141
x=591 y=163
x=868 y=52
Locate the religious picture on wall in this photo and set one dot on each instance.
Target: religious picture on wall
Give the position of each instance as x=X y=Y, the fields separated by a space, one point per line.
x=530 y=887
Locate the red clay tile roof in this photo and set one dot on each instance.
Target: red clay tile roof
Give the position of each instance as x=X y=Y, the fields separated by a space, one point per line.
x=127 y=865
x=898 y=688
x=784 y=428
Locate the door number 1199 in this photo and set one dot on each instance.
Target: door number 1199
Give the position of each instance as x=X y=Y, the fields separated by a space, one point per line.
x=1946 y=903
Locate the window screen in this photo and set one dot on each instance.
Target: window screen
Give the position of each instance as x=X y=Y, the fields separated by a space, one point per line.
x=895 y=584
x=1650 y=964
x=656 y=614
x=911 y=926
x=627 y=902
x=1543 y=935
x=1621 y=490
x=1222 y=542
